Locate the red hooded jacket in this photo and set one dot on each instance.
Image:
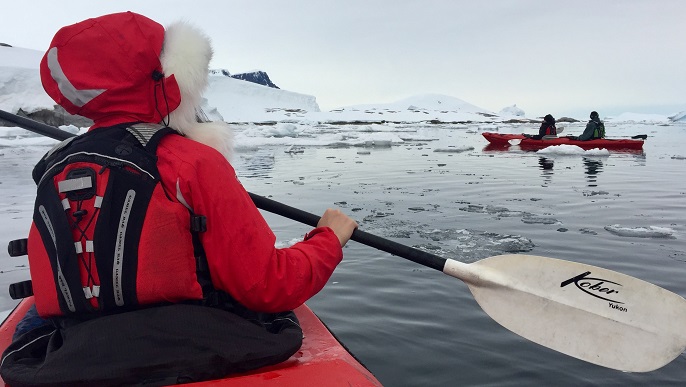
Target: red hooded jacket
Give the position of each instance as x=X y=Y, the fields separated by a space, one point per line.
x=108 y=69
x=238 y=242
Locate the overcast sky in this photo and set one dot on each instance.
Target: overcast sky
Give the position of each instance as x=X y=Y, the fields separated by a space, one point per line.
x=550 y=56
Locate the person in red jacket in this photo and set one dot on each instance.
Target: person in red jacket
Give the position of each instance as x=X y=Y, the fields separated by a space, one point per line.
x=239 y=245
x=125 y=68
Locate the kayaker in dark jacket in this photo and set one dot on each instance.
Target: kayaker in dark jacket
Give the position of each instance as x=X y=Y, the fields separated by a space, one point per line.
x=547 y=128
x=594 y=128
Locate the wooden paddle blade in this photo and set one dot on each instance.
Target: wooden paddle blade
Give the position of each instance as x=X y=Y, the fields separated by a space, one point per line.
x=593 y=314
x=640 y=137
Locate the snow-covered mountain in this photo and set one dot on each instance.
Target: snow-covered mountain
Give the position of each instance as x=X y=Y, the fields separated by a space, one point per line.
x=428 y=102
x=679 y=117
x=237 y=100
x=642 y=118
x=424 y=107
x=512 y=111
x=258 y=76
x=241 y=101
x=20 y=86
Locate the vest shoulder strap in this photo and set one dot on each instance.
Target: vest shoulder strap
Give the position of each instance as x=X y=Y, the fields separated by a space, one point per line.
x=149 y=135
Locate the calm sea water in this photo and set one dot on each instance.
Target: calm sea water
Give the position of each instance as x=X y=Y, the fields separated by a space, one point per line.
x=414 y=326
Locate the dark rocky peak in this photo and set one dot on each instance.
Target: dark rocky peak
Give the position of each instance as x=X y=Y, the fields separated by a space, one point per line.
x=259 y=77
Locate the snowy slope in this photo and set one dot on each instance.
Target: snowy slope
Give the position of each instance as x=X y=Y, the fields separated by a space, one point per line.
x=20 y=86
x=241 y=101
x=424 y=107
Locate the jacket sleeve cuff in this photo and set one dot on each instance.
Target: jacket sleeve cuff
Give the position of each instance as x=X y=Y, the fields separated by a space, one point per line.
x=318 y=230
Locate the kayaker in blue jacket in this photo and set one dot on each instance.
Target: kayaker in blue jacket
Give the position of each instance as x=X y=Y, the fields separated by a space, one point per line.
x=594 y=128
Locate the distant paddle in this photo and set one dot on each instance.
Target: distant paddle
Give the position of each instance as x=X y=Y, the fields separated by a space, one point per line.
x=636 y=137
x=587 y=312
x=517 y=141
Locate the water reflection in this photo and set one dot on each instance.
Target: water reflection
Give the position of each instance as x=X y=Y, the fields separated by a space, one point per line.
x=496 y=148
x=546 y=166
x=640 y=159
x=593 y=168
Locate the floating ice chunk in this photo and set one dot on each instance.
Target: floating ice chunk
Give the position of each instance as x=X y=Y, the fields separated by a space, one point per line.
x=293 y=149
x=533 y=219
x=565 y=149
x=73 y=129
x=377 y=139
x=28 y=141
x=641 y=232
x=281 y=130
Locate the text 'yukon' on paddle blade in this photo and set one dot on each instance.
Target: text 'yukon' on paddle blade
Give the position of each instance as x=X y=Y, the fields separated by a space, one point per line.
x=593 y=314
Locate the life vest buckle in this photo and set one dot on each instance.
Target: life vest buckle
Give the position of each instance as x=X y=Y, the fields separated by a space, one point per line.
x=80 y=184
x=91 y=292
x=18 y=247
x=198 y=223
x=21 y=290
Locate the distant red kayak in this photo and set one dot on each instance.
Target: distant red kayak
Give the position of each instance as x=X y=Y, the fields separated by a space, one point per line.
x=501 y=139
x=321 y=361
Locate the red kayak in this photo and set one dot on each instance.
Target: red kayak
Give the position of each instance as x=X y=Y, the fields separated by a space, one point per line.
x=321 y=361
x=503 y=140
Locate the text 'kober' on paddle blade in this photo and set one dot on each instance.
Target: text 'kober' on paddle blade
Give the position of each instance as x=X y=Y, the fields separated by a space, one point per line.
x=593 y=314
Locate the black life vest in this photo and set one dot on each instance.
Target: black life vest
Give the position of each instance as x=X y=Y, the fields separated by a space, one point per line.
x=551 y=130
x=103 y=226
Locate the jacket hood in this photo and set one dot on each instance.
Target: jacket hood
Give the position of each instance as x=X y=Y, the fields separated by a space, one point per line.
x=125 y=67
x=103 y=69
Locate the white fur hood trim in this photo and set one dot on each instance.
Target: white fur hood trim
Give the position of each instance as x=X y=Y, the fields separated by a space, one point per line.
x=217 y=135
x=186 y=54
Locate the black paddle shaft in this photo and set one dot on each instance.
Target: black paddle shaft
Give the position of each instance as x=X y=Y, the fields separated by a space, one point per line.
x=269 y=205
x=36 y=127
x=410 y=253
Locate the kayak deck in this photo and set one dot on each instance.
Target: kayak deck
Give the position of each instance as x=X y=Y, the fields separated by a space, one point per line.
x=503 y=139
x=321 y=360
